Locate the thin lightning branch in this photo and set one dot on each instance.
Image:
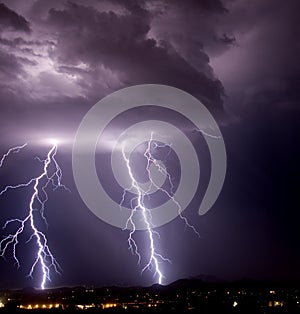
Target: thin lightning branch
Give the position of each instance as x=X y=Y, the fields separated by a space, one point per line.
x=44 y=259
x=217 y=137
x=151 y=159
x=161 y=167
x=155 y=258
x=11 y=150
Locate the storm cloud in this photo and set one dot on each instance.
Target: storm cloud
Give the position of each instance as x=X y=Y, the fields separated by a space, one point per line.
x=11 y=20
x=79 y=52
x=239 y=57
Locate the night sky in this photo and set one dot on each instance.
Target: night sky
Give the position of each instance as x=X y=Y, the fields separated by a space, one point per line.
x=240 y=58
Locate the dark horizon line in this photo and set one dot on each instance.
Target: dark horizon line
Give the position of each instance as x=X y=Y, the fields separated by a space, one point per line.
x=205 y=280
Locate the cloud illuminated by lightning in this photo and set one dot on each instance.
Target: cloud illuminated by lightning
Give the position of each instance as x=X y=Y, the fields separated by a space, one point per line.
x=155 y=258
x=44 y=260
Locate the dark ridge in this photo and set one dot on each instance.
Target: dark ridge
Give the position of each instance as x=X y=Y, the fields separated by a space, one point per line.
x=201 y=281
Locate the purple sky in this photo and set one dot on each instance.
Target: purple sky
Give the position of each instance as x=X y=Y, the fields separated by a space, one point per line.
x=240 y=58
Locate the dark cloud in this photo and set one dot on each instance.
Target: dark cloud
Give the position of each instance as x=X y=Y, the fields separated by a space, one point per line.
x=199 y=6
x=12 y=20
x=193 y=30
x=19 y=41
x=10 y=66
x=262 y=65
x=120 y=43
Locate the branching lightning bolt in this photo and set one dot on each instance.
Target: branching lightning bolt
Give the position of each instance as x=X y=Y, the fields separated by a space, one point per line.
x=151 y=159
x=155 y=257
x=44 y=259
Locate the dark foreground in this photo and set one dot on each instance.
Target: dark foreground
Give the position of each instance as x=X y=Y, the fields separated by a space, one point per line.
x=183 y=296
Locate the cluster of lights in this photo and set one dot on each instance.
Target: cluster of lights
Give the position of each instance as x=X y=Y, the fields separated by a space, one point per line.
x=40 y=306
x=109 y=305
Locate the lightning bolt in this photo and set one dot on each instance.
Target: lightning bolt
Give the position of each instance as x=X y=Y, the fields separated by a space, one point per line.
x=44 y=259
x=155 y=258
x=11 y=150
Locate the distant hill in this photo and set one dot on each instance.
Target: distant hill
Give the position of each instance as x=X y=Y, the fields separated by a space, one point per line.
x=195 y=282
